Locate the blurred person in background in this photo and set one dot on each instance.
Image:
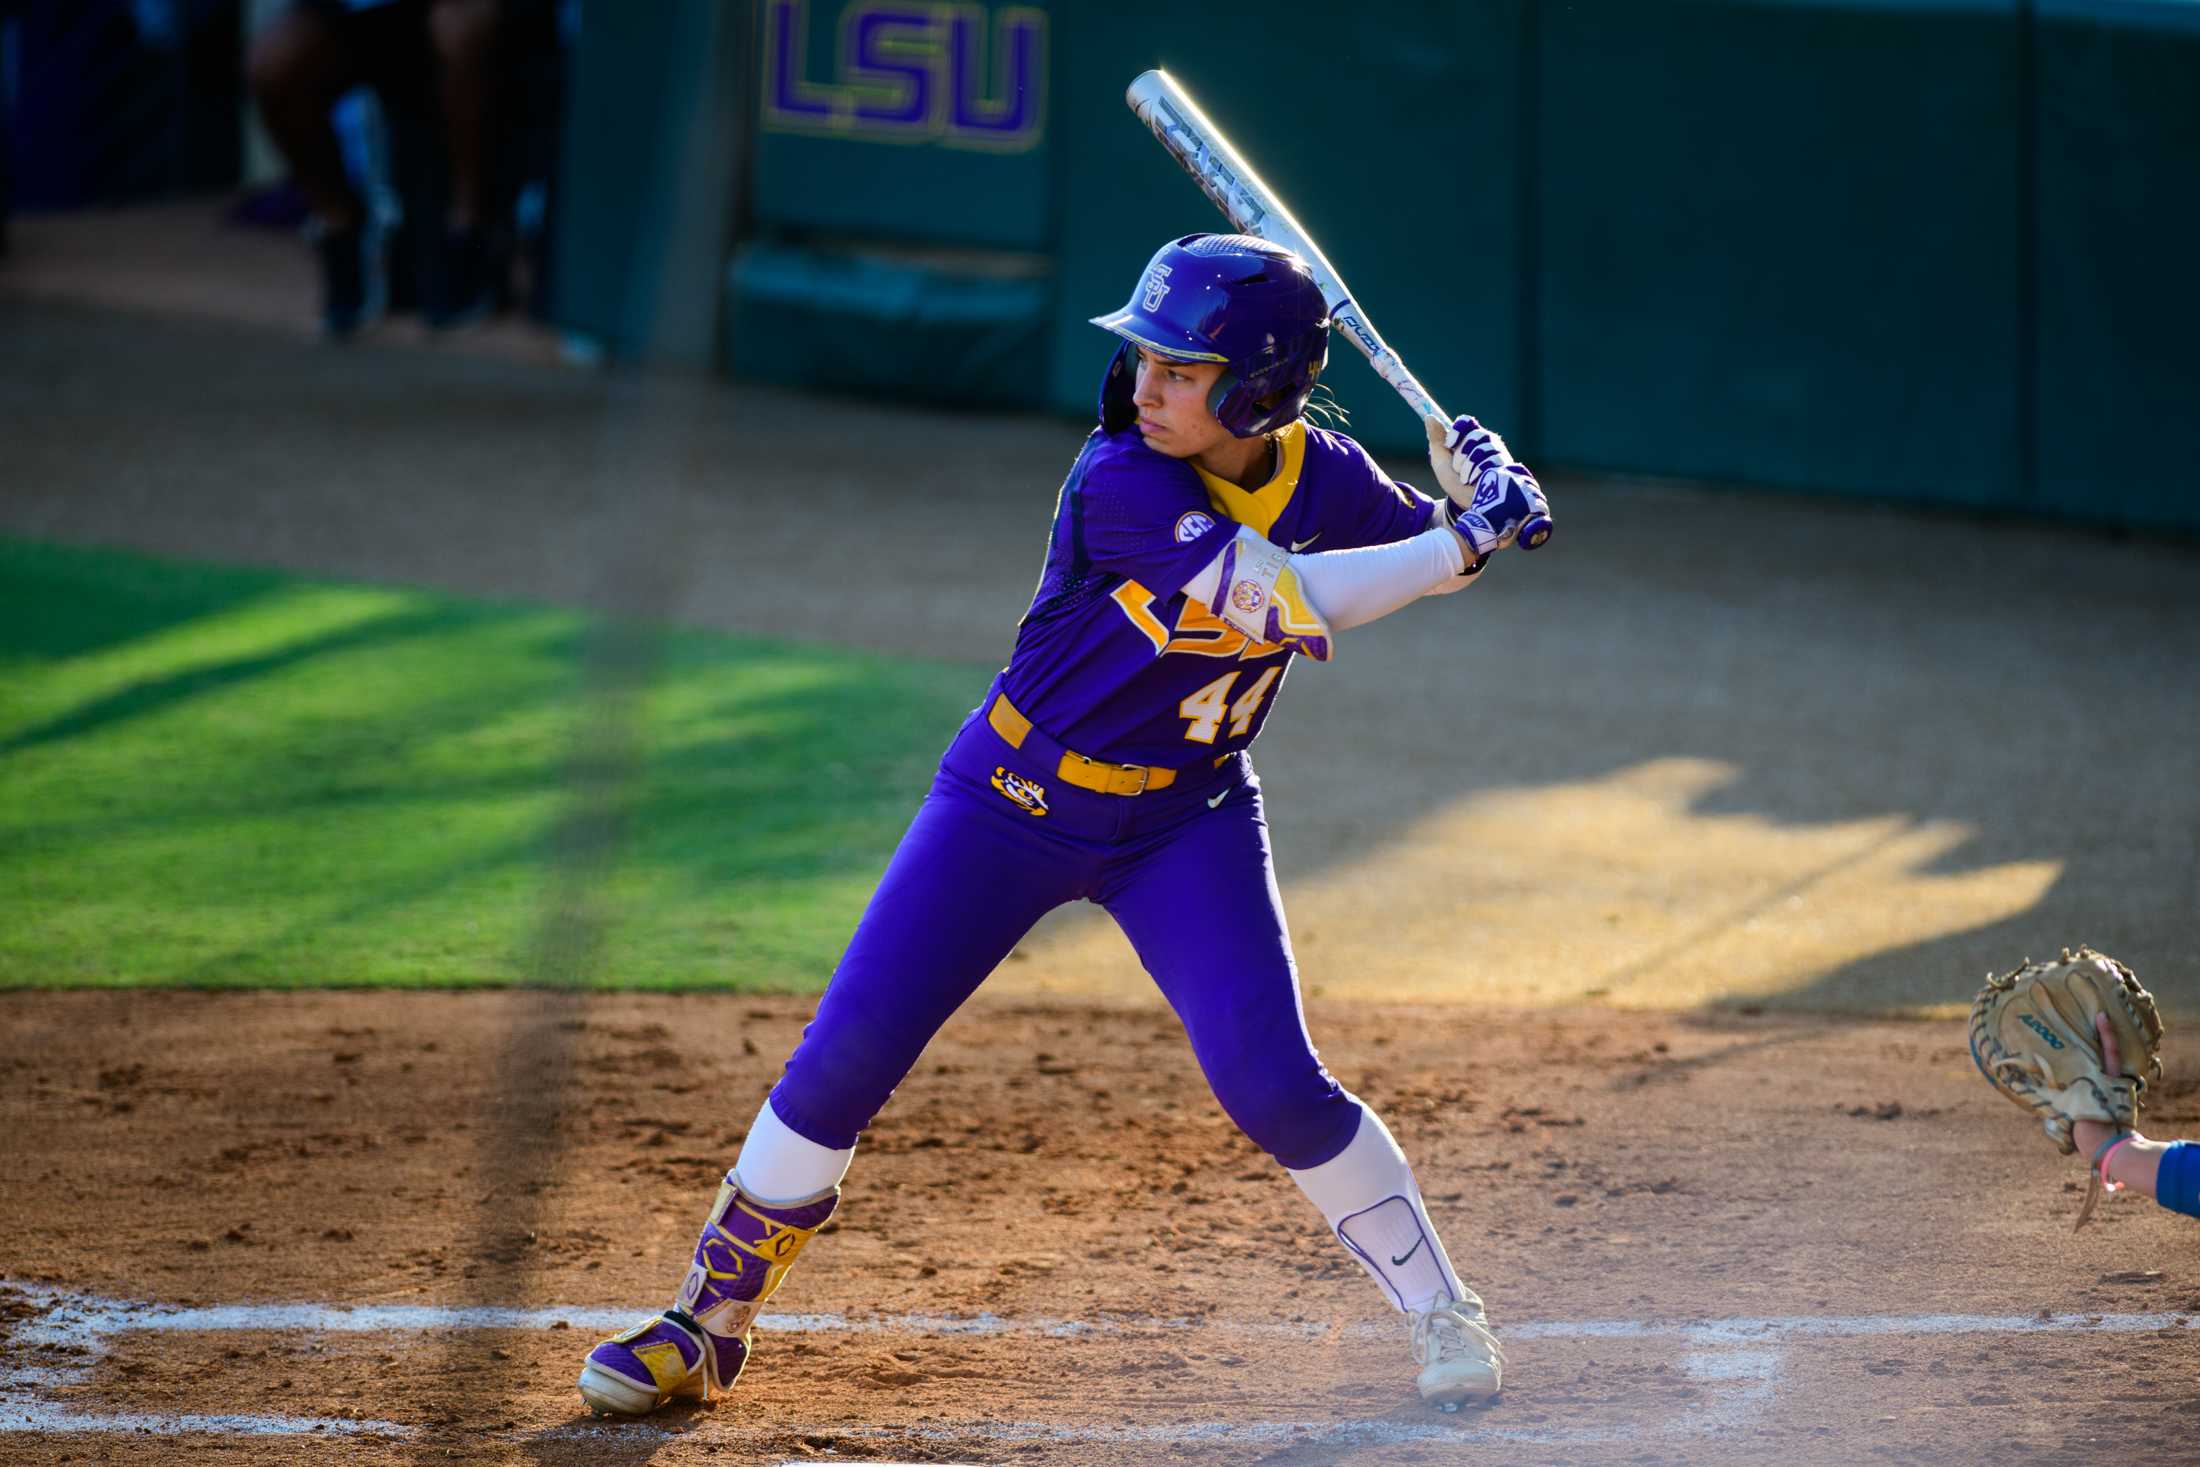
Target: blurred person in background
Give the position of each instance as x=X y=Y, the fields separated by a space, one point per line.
x=7 y=144
x=7 y=186
x=433 y=57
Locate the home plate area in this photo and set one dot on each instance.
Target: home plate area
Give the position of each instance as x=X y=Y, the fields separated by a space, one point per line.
x=936 y=1386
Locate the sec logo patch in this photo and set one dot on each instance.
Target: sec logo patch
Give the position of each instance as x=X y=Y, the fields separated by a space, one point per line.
x=1194 y=524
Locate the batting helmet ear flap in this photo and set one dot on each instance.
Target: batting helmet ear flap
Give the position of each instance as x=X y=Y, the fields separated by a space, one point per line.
x=1247 y=415
x=1117 y=384
x=1218 y=394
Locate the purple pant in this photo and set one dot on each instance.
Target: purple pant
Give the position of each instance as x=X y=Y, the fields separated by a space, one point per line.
x=1189 y=882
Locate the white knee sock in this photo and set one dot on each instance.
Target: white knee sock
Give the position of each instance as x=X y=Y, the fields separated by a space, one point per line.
x=778 y=1166
x=1368 y=1194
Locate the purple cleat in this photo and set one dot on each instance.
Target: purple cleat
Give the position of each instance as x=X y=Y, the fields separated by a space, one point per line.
x=694 y=1351
x=666 y=1357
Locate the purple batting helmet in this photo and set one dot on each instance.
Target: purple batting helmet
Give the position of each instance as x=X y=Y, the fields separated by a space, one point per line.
x=1229 y=298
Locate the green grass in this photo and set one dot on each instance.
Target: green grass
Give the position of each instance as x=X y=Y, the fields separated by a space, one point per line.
x=215 y=777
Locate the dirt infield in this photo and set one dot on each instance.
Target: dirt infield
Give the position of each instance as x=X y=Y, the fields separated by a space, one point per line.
x=1706 y=1239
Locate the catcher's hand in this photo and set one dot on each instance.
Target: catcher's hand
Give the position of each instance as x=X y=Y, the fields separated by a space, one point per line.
x=2033 y=1037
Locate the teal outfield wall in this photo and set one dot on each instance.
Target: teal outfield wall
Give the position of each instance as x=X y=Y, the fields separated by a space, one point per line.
x=1780 y=244
x=1940 y=251
x=2117 y=228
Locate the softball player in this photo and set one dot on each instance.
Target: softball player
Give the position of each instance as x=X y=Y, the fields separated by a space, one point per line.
x=1206 y=536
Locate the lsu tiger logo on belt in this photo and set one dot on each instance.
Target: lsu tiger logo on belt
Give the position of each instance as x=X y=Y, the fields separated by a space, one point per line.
x=1026 y=795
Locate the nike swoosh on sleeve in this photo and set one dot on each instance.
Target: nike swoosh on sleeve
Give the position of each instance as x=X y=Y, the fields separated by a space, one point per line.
x=1298 y=545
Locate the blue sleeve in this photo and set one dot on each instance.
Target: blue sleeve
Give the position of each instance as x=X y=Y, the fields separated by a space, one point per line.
x=1144 y=516
x=1376 y=509
x=2177 y=1183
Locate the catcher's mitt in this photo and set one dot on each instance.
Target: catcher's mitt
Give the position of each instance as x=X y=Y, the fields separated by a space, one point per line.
x=2032 y=1036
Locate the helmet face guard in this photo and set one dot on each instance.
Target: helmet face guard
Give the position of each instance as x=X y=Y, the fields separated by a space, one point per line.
x=1243 y=302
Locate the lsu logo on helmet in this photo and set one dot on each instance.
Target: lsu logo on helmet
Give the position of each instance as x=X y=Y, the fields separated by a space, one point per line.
x=1026 y=795
x=1157 y=285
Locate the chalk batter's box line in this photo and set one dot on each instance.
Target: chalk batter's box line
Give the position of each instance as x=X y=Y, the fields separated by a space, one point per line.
x=87 y=1315
x=87 y=1323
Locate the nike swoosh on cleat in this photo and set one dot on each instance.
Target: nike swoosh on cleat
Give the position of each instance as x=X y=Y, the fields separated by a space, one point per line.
x=1401 y=1258
x=1298 y=545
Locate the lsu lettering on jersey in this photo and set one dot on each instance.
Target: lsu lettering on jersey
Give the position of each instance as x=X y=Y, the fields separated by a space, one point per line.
x=1113 y=659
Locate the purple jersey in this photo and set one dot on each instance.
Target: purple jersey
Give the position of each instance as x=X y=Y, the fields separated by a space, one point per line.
x=1113 y=659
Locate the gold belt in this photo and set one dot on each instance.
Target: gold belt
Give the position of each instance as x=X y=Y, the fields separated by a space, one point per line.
x=1074 y=768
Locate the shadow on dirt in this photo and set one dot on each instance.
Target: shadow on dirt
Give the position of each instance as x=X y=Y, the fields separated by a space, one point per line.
x=2014 y=691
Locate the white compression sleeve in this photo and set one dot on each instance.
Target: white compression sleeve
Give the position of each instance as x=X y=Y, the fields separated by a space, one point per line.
x=1351 y=588
x=777 y=1164
x=1368 y=1194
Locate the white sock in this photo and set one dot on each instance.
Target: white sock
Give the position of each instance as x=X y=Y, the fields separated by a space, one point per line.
x=1368 y=1194
x=777 y=1166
